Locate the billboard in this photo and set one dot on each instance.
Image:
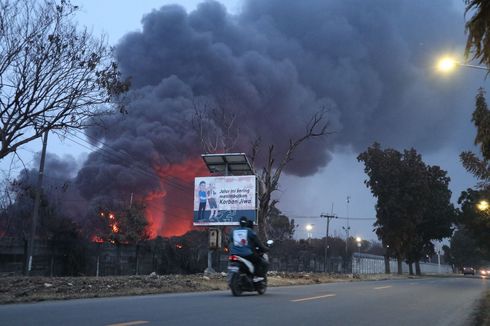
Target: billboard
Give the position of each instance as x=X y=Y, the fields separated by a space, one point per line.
x=223 y=200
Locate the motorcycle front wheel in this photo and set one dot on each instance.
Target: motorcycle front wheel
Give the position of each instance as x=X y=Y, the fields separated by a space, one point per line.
x=263 y=286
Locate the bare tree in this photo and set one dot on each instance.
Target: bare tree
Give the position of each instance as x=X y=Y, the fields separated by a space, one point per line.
x=52 y=75
x=268 y=177
x=216 y=127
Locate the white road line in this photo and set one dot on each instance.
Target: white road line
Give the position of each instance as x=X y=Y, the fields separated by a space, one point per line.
x=383 y=287
x=130 y=323
x=314 y=298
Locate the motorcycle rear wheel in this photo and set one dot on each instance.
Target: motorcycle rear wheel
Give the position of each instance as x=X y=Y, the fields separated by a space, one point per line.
x=235 y=287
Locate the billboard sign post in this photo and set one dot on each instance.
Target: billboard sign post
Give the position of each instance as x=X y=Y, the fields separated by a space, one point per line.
x=223 y=200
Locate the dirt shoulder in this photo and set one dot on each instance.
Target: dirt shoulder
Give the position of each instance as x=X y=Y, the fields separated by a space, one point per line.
x=29 y=289
x=482 y=314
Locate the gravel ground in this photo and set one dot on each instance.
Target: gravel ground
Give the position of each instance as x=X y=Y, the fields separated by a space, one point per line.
x=28 y=289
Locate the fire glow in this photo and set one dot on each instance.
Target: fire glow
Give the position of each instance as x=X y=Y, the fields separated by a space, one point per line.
x=113 y=225
x=169 y=210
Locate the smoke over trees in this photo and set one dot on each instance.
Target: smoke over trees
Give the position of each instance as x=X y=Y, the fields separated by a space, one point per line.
x=272 y=66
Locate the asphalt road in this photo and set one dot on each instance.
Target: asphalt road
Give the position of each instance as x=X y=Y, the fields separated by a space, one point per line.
x=428 y=301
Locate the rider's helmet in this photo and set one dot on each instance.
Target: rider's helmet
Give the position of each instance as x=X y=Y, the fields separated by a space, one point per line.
x=243 y=221
x=250 y=224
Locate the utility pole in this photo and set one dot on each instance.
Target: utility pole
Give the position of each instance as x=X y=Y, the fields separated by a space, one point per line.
x=37 y=200
x=346 y=229
x=328 y=217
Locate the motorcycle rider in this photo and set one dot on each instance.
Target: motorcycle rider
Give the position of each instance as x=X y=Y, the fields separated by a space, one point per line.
x=244 y=242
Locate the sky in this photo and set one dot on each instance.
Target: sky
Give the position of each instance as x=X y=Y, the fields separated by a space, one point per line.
x=412 y=105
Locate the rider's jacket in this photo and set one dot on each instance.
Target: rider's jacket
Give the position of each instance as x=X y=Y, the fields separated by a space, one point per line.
x=243 y=242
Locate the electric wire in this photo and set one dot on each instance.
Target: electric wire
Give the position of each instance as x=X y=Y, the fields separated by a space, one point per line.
x=129 y=165
x=128 y=156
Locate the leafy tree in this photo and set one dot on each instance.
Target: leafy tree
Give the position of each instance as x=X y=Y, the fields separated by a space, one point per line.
x=463 y=250
x=120 y=225
x=52 y=75
x=280 y=227
x=438 y=215
x=480 y=167
x=383 y=168
x=413 y=205
x=475 y=222
x=478 y=30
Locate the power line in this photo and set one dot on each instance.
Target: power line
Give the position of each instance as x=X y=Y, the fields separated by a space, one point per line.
x=340 y=218
x=120 y=154
x=142 y=171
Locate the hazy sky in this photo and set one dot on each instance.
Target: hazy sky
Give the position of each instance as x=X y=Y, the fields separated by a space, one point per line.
x=437 y=136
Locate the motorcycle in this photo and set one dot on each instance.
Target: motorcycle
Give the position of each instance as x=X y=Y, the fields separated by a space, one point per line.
x=241 y=274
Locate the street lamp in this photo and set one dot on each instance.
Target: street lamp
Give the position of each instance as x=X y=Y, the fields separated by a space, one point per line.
x=482 y=205
x=359 y=241
x=448 y=64
x=309 y=228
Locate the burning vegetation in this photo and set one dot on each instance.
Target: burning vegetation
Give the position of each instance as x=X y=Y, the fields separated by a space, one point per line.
x=127 y=226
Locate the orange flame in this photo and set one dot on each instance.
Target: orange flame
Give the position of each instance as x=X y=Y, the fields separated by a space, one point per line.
x=97 y=239
x=169 y=211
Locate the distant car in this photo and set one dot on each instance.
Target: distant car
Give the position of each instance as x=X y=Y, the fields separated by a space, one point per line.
x=485 y=272
x=468 y=270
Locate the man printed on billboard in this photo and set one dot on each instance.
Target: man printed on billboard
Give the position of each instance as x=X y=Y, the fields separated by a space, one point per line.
x=202 y=200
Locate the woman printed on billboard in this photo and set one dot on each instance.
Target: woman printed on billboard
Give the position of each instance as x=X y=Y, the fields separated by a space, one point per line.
x=213 y=206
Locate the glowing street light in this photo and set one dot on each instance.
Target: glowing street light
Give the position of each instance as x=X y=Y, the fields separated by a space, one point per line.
x=482 y=205
x=448 y=64
x=309 y=228
x=359 y=243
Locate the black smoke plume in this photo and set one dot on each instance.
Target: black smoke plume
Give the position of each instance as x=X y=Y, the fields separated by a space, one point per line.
x=275 y=64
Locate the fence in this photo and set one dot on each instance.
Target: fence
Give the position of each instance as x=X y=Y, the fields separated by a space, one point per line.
x=372 y=264
x=60 y=258
x=164 y=256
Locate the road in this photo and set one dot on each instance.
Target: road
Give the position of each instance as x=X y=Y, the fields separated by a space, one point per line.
x=426 y=301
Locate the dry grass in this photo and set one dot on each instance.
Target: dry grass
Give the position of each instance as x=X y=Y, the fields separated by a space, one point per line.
x=28 y=289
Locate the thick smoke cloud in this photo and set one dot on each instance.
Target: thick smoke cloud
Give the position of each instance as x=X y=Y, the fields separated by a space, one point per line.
x=60 y=198
x=275 y=64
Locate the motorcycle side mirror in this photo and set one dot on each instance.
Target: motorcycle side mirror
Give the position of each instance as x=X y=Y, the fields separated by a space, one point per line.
x=270 y=242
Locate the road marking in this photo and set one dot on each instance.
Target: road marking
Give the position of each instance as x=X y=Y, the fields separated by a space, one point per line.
x=130 y=323
x=383 y=287
x=314 y=298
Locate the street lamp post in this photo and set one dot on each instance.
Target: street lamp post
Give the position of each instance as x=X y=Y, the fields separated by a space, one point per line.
x=326 y=260
x=346 y=229
x=359 y=241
